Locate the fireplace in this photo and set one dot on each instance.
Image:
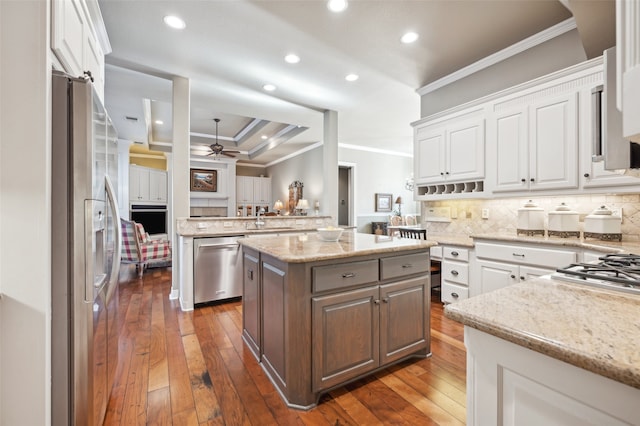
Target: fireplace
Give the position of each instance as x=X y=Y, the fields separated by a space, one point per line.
x=152 y=217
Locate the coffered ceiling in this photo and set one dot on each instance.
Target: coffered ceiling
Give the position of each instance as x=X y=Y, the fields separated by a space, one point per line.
x=230 y=49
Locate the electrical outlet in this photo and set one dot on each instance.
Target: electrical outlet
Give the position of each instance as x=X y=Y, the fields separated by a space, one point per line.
x=485 y=213
x=617 y=212
x=468 y=215
x=201 y=225
x=454 y=213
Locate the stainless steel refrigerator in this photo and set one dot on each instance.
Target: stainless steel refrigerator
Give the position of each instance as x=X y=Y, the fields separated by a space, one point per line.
x=85 y=253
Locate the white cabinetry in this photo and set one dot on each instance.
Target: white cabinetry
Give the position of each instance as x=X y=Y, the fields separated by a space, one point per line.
x=74 y=41
x=252 y=191
x=455 y=274
x=502 y=264
x=512 y=385
x=449 y=151
x=628 y=66
x=147 y=185
x=536 y=145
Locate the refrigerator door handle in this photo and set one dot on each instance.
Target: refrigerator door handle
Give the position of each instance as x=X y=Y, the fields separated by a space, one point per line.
x=113 y=202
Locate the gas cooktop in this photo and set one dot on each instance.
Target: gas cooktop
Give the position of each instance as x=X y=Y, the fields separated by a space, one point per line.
x=619 y=272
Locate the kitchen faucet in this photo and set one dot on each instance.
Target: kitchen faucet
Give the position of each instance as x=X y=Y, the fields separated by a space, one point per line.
x=260 y=223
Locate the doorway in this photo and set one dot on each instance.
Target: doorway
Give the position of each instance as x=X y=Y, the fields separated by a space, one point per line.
x=346 y=194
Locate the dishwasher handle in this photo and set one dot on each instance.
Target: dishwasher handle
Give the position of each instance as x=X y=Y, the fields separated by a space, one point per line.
x=224 y=245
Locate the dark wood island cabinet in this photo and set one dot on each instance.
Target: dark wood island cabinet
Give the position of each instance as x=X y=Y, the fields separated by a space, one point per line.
x=318 y=314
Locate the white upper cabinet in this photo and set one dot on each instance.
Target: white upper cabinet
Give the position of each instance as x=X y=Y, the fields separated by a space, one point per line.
x=450 y=151
x=74 y=41
x=147 y=185
x=253 y=190
x=536 y=146
x=628 y=66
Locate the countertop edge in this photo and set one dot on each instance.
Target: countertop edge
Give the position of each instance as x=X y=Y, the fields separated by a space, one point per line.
x=588 y=361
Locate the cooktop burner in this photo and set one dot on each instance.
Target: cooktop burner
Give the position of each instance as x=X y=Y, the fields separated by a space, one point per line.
x=614 y=271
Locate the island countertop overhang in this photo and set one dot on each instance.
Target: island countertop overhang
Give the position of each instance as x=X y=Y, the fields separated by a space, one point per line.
x=310 y=248
x=590 y=328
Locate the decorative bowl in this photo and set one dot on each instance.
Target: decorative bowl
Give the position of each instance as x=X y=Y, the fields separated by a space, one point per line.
x=330 y=234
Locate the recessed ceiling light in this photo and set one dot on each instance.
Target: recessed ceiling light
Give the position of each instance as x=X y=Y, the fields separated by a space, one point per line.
x=352 y=77
x=174 y=22
x=269 y=87
x=264 y=137
x=337 y=5
x=159 y=122
x=292 y=58
x=409 y=37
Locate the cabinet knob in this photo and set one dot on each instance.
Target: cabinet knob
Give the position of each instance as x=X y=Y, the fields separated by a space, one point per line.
x=513 y=276
x=454 y=295
x=348 y=275
x=441 y=173
x=385 y=299
x=455 y=253
x=446 y=173
x=250 y=274
x=522 y=278
x=532 y=180
x=376 y=301
x=586 y=175
x=454 y=273
x=523 y=180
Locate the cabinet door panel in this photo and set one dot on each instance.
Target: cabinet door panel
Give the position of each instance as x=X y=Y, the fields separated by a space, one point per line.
x=553 y=153
x=345 y=336
x=69 y=26
x=528 y=272
x=495 y=275
x=404 y=318
x=274 y=330
x=430 y=156
x=465 y=156
x=251 y=304
x=512 y=151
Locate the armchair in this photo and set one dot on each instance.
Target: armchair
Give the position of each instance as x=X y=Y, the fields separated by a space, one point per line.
x=139 y=248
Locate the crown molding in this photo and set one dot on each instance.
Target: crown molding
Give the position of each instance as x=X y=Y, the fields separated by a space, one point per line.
x=514 y=49
x=375 y=150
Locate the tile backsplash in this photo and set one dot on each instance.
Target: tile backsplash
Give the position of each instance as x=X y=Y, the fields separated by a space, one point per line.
x=503 y=213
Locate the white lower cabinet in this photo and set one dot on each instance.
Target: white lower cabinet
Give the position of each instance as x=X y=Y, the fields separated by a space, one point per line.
x=512 y=385
x=501 y=264
x=455 y=272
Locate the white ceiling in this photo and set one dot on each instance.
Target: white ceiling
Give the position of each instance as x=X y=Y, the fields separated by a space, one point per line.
x=229 y=49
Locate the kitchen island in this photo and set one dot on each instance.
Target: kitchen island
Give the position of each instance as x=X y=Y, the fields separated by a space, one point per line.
x=318 y=314
x=549 y=352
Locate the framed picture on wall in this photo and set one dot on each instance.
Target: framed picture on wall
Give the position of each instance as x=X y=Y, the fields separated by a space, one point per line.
x=383 y=202
x=204 y=180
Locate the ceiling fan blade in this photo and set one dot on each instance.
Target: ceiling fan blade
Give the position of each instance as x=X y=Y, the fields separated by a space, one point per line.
x=227 y=154
x=232 y=151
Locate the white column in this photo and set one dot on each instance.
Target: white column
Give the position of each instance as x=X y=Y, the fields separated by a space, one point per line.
x=180 y=169
x=25 y=213
x=329 y=205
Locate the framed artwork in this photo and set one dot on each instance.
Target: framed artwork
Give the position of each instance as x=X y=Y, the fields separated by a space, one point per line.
x=383 y=202
x=204 y=180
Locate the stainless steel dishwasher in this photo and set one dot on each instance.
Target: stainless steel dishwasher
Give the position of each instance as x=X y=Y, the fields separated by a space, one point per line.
x=217 y=264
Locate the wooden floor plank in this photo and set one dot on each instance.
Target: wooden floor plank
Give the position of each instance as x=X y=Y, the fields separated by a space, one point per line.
x=168 y=357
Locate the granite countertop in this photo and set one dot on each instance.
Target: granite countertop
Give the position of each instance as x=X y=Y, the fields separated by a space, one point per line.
x=597 y=330
x=590 y=244
x=451 y=239
x=310 y=248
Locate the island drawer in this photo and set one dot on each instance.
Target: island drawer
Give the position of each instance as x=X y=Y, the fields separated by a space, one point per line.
x=408 y=264
x=344 y=275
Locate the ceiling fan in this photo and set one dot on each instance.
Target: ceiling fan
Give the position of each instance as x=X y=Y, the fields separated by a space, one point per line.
x=217 y=149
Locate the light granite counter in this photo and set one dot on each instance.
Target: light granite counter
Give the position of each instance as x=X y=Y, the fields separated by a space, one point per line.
x=232 y=226
x=310 y=248
x=589 y=244
x=596 y=330
x=451 y=239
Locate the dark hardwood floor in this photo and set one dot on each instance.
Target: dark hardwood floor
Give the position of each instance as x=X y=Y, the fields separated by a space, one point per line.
x=191 y=368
